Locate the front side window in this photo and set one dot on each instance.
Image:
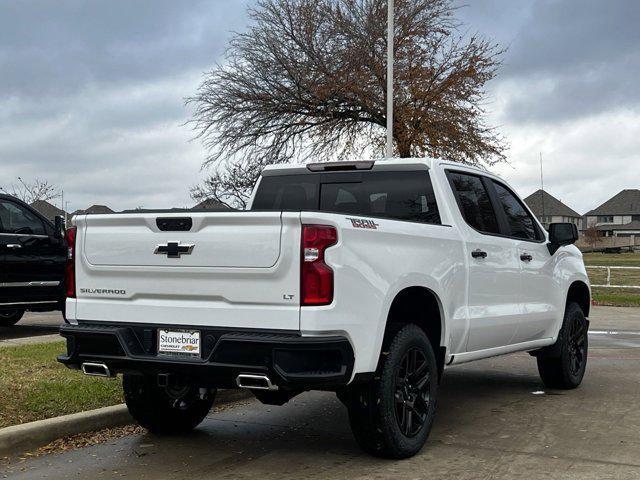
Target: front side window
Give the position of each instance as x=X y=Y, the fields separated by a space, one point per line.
x=473 y=201
x=397 y=195
x=521 y=224
x=17 y=219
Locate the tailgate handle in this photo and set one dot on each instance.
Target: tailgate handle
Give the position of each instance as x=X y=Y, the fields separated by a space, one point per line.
x=174 y=224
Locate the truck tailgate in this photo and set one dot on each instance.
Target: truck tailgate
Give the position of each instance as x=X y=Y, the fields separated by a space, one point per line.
x=230 y=269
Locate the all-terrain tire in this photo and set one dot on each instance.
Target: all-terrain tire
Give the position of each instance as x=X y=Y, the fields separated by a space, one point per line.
x=562 y=366
x=381 y=412
x=10 y=318
x=165 y=410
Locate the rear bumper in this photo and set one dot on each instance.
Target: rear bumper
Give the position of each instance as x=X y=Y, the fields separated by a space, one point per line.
x=290 y=360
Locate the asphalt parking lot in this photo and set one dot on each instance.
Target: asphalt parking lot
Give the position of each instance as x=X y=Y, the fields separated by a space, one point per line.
x=495 y=420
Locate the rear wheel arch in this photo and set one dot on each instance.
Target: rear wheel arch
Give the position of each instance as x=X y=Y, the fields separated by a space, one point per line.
x=421 y=306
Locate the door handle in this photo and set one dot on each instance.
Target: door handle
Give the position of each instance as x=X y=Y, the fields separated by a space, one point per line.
x=14 y=246
x=525 y=257
x=479 y=254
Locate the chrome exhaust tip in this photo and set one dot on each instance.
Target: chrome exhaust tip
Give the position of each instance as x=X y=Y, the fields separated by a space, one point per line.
x=255 y=382
x=96 y=370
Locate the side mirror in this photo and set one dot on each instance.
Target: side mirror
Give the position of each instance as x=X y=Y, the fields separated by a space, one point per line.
x=58 y=227
x=561 y=234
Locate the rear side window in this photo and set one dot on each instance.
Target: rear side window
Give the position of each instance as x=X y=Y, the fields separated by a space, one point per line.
x=521 y=225
x=287 y=192
x=474 y=202
x=397 y=195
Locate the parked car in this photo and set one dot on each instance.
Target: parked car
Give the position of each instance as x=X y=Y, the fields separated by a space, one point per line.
x=33 y=255
x=364 y=278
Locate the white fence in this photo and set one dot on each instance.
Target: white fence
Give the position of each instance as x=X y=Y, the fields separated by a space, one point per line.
x=608 y=284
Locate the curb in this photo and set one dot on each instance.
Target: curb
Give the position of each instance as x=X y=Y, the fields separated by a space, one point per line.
x=33 y=435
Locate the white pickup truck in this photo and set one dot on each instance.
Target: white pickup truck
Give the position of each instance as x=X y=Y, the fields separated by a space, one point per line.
x=363 y=278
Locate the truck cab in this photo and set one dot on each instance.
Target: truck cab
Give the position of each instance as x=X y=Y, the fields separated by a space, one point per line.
x=33 y=255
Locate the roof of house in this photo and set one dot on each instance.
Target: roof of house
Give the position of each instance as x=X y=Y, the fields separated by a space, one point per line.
x=93 y=210
x=210 y=204
x=635 y=225
x=552 y=206
x=626 y=202
x=47 y=210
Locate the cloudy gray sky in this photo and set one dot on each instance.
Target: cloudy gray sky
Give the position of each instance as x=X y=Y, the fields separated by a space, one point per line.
x=92 y=94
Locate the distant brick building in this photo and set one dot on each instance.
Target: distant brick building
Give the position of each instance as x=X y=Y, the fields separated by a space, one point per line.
x=210 y=204
x=49 y=211
x=94 y=210
x=549 y=209
x=619 y=216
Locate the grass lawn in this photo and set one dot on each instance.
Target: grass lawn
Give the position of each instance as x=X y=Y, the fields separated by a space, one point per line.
x=613 y=259
x=35 y=386
x=628 y=297
x=616 y=297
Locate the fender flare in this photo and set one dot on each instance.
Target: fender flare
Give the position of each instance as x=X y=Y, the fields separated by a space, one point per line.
x=411 y=280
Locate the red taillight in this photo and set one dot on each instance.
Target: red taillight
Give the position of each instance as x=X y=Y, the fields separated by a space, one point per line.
x=70 y=268
x=316 y=277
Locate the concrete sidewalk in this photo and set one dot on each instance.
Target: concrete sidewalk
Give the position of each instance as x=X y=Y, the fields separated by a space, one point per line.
x=16 y=342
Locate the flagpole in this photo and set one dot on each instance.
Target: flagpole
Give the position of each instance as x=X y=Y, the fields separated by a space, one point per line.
x=542 y=186
x=390 y=28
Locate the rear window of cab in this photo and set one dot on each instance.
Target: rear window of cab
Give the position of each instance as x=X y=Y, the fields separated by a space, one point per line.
x=403 y=195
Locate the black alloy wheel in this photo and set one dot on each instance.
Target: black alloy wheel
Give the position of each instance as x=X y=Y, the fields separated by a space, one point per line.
x=412 y=392
x=577 y=345
x=563 y=365
x=391 y=416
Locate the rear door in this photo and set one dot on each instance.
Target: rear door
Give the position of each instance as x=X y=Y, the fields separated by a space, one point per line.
x=540 y=289
x=494 y=287
x=33 y=261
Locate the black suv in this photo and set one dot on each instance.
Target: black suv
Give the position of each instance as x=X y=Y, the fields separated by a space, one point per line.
x=33 y=256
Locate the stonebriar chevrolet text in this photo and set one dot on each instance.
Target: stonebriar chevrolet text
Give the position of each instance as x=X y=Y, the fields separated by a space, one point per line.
x=365 y=278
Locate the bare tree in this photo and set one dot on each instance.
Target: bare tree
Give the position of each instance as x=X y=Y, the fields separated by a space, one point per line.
x=307 y=81
x=593 y=236
x=29 y=192
x=231 y=185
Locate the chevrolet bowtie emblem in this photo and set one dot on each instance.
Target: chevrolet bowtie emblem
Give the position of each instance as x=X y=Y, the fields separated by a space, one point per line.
x=174 y=249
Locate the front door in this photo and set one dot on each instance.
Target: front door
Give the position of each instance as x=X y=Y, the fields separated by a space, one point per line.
x=494 y=284
x=542 y=294
x=32 y=259
x=540 y=315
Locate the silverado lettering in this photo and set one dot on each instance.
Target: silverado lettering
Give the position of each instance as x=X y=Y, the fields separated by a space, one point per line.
x=103 y=291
